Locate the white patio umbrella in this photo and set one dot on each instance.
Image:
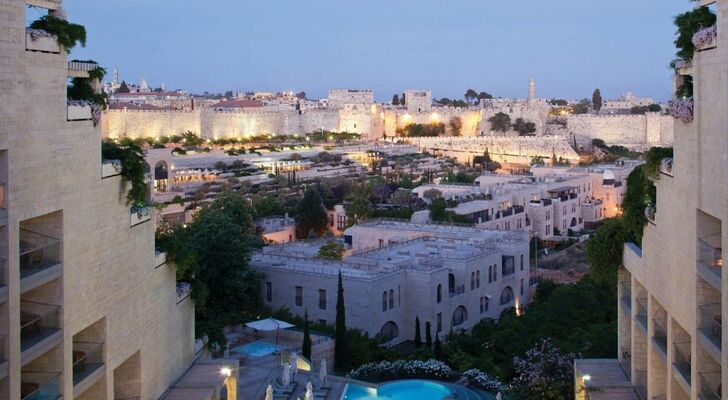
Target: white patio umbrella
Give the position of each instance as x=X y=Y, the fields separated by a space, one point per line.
x=499 y=396
x=286 y=378
x=269 y=392
x=323 y=374
x=309 y=391
x=269 y=325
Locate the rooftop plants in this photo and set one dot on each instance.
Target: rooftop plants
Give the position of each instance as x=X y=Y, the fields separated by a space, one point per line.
x=131 y=156
x=688 y=24
x=67 y=34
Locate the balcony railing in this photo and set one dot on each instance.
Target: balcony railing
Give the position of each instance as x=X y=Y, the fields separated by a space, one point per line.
x=40 y=385
x=81 y=69
x=711 y=256
x=184 y=290
x=666 y=166
x=38 y=252
x=650 y=212
x=110 y=168
x=711 y=322
x=38 y=321
x=641 y=315
x=79 y=110
x=682 y=360
x=457 y=290
x=706 y=38
x=41 y=41
x=640 y=384
x=710 y=386
x=87 y=358
x=660 y=333
x=626 y=296
x=137 y=215
x=625 y=362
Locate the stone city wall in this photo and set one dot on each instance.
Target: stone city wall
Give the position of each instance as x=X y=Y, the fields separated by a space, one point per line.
x=632 y=131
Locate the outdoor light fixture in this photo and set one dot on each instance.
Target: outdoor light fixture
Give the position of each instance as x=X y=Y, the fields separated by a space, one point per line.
x=226 y=371
x=586 y=378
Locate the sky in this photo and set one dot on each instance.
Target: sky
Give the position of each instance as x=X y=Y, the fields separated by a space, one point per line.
x=569 y=47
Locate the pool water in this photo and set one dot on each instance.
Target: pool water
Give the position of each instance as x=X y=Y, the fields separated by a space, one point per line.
x=258 y=349
x=400 y=390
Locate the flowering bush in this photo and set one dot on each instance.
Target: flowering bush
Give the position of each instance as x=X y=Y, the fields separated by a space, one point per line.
x=544 y=373
x=36 y=34
x=682 y=109
x=403 y=369
x=483 y=380
x=705 y=37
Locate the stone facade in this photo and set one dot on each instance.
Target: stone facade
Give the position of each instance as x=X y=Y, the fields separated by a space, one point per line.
x=79 y=285
x=632 y=131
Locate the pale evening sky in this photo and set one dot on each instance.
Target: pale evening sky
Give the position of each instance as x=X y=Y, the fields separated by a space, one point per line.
x=569 y=46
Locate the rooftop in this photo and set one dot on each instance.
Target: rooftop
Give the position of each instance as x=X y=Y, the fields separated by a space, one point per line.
x=445 y=231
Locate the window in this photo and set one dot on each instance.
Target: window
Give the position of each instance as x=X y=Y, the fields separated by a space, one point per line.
x=299 y=296
x=486 y=302
x=391 y=298
x=548 y=230
x=548 y=215
x=268 y=291
x=508 y=265
x=439 y=294
x=477 y=278
x=563 y=208
x=506 y=296
x=322 y=322
x=439 y=322
x=563 y=224
x=521 y=262
x=384 y=301
x=521 y=287
x=381 y=242
x=573 y=208
x=472 y=281
x=322 y=299
x=459 y=316
x=495 y=272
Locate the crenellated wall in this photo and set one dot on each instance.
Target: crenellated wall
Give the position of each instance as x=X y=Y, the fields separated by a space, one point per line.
x=633 y=131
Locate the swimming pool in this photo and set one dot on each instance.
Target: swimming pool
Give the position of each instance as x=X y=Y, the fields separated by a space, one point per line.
x=258 y=349
x=400 y=390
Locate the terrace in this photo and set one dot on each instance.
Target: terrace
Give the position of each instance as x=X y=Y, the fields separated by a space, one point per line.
x=40 y=259
x=39 y=327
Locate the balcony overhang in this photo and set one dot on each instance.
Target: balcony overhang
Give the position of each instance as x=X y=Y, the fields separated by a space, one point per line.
x=89 y=381
x=41 y=347
x=51 y=5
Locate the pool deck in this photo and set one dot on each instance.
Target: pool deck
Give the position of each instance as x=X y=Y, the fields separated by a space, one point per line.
x=257 y=372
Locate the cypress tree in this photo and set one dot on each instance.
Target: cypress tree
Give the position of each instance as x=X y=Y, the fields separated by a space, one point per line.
x=306 y=351
x=439 y=355
x=418 y=336
x=340 y=348
x=428 y=334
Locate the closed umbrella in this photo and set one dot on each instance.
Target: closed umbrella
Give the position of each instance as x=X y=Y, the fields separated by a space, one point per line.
x=309 y=391
x=323 y=374
x=286 y=378
x=294 y=365
x=499 y=396
x=269 y=392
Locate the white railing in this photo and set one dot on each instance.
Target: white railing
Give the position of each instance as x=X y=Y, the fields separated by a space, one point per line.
x=183 y=291
x=82 y=66
x=137 y=215
x=40 y=40
x=110 y=168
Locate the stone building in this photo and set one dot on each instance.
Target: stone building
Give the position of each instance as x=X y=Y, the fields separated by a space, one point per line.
x=451 y=277
x=88 y=309
x=671 y=291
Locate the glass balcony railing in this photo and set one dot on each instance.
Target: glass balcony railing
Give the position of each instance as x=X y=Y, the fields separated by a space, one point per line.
x=38 y=252
x=711 y=324
x=641 y=315
x=626 y=362
x=659 y=336
x=87 y=358
x=711 y=254
x=457 y=290
x=626 y=296
x=40 y=385
x=38 y=321
x=709 y=386
x=640 y=384
x=682 y=360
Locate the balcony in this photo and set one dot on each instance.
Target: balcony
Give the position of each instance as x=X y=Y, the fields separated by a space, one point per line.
x=711 y=327
x=457 y=290
x=706 y=38
x=88 y=362
x=110 y=168
x=659 y=336
x=710 y=260
x=41 y=41
x=625 y=362
x=138 y=215
x=79 y=110
x=641 y=316
x=683 y=67
x=650 y=213
x=40 y=259
x=640 y=384
x=80 y=69
x=39 y=325
x=184 y=290
x=626 y=297
x=160 y=258
x=682 y=365
x=709 y=386
x=40 y=385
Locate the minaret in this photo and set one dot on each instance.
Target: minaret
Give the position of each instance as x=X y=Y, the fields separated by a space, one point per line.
x=115 y=78
x=531 y=89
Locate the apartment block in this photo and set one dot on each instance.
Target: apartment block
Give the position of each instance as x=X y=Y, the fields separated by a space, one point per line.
x=88 y=308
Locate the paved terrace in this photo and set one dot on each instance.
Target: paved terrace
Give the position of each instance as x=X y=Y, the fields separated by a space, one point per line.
x=606 y=380
x=473 y=234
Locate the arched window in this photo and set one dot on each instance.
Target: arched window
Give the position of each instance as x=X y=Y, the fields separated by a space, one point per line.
x=384 y=301
x=451 y=283
x=389 y=331
x=472 y=280
x=477 y=278
x=391 y=298
x=521 y=262
x=506 y=295
x=459 y=316
x=490 y=273
x=573 y=222
x=439 y=294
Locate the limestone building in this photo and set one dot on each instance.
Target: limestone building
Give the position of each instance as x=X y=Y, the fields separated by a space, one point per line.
x=451 y=277
x=88 y=309
x=672 y=289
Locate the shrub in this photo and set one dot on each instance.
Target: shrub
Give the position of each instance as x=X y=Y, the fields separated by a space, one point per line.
x=66 y=33
x=403 y=369
x=483 y=380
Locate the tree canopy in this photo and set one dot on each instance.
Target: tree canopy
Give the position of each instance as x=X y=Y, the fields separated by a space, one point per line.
x=310 y=215
x=501 y=122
